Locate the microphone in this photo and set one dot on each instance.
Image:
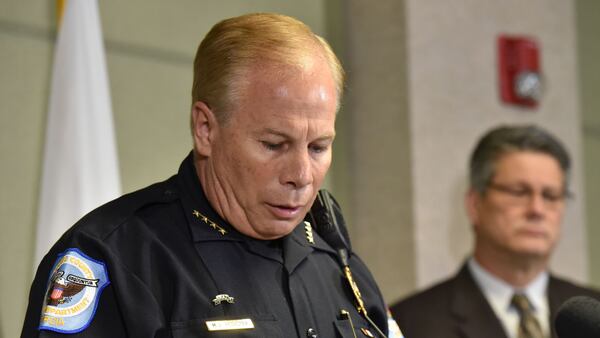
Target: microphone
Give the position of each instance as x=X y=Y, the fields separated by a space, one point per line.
x=326 y=217
x=578 y=317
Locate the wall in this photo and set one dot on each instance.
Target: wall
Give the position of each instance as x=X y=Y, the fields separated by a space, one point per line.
x=25 y=51
x=588 y=48
x=423 y=88
x=453 y=82
x=380 y=202
x=150 y=47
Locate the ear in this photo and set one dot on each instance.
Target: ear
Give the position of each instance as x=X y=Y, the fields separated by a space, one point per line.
x=472 y=205
x=204 y=127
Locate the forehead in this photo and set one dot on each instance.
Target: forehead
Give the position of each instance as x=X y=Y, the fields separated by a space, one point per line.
x=528 y=167
x=308 y=89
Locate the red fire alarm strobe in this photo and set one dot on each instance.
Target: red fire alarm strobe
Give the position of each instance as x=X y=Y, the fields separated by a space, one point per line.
x=519 y=70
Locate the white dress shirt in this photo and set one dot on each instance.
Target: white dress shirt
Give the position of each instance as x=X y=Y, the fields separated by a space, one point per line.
x=499 y=294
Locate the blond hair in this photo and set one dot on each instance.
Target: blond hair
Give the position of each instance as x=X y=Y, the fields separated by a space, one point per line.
x=235 y=45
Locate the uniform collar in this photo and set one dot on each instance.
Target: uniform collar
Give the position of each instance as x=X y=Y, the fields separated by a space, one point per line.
x=207 y=225
x=298 y=246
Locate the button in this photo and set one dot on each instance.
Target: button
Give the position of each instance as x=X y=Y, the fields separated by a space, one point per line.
x=311 y=333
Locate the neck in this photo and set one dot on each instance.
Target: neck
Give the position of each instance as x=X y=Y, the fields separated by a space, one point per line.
x=515 y=270
x=217 y=195
x=210 y=187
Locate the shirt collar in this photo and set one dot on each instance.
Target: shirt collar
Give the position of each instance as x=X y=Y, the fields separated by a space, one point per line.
x=499 y=293
x=496 y=291
x=536 y=290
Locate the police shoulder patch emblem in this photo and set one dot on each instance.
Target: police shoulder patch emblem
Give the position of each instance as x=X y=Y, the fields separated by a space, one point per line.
x=73 y=292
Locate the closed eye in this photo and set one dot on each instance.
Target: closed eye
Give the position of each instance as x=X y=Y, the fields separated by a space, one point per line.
x=317 y=148
x=271 y=146
x=518 y=192
x=553 y=196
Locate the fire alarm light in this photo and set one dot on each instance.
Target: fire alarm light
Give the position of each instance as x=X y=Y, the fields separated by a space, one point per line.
x=519 y=70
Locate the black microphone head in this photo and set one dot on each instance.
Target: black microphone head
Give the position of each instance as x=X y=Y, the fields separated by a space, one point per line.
x=578 y=317
x=326 y=217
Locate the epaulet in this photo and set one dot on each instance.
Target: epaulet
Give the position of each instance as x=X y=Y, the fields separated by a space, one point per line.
x=107 y=217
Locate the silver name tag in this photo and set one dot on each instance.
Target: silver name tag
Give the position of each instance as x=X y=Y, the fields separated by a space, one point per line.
x=224 y=325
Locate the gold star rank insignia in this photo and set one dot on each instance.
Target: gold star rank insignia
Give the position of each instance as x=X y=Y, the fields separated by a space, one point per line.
x=208 y=222
x=309 y=234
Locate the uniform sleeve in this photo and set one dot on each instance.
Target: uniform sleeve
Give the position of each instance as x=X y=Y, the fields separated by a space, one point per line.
x=107 y=321
x=71 y=296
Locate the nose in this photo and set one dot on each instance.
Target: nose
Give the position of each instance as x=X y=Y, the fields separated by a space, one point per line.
x=297 y=171
x=536 y=205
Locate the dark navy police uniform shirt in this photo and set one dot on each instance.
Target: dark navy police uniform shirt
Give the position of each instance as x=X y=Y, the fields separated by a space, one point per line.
x=174 y=268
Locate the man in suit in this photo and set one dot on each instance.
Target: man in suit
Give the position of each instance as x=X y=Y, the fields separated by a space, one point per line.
x=519 y=178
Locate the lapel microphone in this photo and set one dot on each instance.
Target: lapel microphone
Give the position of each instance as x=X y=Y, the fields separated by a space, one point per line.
x=326 y=217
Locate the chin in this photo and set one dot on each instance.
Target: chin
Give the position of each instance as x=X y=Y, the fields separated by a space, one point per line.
x=537 y=251
x=277 y=230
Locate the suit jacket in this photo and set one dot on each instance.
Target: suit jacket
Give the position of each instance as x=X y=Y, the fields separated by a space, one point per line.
x=457 y=308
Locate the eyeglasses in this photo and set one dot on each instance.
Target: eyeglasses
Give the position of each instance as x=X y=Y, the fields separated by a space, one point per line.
x=523 y=194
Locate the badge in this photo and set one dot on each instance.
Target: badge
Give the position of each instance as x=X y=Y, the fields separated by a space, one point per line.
x=308 y=231
x=227 y=325
x=73 y=292
x=223 y=298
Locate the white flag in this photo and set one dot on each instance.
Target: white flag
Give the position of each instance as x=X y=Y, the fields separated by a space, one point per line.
x=80 y=170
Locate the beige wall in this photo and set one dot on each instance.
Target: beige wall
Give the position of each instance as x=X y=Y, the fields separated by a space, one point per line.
x=588 y=26
x=377 y=120
x=25 y=52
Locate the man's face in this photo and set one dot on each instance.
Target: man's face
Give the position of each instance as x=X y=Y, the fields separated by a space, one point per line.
x=269 y=159
x=521 y=210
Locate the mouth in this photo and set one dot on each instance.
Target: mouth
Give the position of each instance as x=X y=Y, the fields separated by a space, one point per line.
x=285 y=211
x=539 y=233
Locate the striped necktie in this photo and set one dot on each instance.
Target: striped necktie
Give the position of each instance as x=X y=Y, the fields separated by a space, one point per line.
x=529 y=327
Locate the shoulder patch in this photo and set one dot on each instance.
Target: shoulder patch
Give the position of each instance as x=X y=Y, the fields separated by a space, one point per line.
x=73 y=292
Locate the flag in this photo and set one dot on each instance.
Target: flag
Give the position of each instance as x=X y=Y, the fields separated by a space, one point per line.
x=80 y=167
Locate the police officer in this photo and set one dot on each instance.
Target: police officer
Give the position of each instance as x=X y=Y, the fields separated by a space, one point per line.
x=221 y=248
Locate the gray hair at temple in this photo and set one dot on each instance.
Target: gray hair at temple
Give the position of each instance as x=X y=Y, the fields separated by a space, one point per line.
x=505 y=139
